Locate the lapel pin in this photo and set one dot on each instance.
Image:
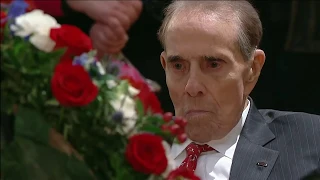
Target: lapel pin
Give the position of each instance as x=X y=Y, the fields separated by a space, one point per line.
x=263 y=164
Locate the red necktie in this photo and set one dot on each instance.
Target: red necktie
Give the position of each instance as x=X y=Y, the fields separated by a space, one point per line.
x=193 y=152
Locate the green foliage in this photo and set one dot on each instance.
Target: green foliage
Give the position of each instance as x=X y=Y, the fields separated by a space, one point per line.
x=140 y=109
x=26 y=72
x=30 y=124
x=26 y=93
x=91 y=131
x=30 y=156
x=28 y=160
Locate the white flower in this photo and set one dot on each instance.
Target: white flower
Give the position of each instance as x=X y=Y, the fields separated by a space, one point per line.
x=100 y=68
x=171 y=163
x=126 y=104
x=111 y=83
x=133 y=91
x=37 y=25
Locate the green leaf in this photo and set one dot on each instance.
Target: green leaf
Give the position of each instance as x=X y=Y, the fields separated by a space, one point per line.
x=25 y=159
x=155 y=119
x=48 y=61
x=152 y=129
x=140 y=108
x=31 y=124
x=19 y=49
x=31 y=157
x=52 y=102
x=56 y=53
x=122 y=169
x=123 y=87
x=92 y=53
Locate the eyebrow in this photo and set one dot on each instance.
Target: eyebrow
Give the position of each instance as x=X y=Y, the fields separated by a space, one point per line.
x=174 y=58
x=210 y=58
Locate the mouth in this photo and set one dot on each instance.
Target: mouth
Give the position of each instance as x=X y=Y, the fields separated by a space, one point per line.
x=196 y=113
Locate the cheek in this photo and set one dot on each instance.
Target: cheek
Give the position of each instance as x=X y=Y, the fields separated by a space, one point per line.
x=231 y=89
x=228 y=93
x=176 y=91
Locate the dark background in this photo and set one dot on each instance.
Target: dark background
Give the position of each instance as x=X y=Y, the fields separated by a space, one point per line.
x=290 y=79
x=291 y=41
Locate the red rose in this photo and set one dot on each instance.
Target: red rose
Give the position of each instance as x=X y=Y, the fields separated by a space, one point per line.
x=3 y=19
x=3 y=23
x=72 y=38
x=146 y=154
x=72 y=86
x=129 y=72
x=149 y=100
x=182 y=173
x=133 y=82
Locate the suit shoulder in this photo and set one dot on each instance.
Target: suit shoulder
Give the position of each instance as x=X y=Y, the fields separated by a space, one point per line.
x=271 y=115
x=306 y=125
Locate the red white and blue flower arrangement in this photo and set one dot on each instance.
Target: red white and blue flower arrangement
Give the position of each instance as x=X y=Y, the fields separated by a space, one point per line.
x=77 y=116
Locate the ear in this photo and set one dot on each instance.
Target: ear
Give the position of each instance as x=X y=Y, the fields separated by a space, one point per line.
x=163 y=58
x=255 y=67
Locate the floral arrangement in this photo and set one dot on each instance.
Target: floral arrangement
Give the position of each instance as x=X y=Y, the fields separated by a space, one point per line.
x=77 y=116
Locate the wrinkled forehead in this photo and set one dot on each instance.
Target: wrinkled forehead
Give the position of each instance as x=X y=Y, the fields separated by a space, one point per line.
x=212 y=28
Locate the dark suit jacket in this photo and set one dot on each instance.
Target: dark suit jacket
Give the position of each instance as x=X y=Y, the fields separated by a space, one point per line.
x=287 y=145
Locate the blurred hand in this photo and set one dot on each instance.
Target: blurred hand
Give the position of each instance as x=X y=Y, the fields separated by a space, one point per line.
x=117 y=15
x=104 y=39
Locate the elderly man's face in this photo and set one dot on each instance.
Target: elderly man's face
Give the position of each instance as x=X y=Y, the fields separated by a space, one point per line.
x=207 y=78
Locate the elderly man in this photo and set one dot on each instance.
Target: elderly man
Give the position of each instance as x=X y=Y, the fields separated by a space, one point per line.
x=212 y=63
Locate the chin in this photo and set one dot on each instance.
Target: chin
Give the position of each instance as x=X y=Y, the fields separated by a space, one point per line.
x=203 y=137
x=202 y=129
x=199 y=139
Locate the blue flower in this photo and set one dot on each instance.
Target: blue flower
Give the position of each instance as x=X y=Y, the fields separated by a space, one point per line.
x=117 y=117
x=17 y=8
x=81 y=60
x=89 y=63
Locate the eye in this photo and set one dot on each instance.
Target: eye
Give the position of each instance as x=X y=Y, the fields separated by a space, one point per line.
x=214 y=64
x=177 y=66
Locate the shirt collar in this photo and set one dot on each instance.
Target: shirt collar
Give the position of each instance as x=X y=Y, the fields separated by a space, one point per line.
x=226 y=145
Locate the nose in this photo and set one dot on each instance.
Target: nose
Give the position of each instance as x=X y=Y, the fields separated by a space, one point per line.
x=195 y=87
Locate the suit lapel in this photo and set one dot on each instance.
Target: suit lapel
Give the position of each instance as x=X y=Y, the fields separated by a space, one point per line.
x=251 y=159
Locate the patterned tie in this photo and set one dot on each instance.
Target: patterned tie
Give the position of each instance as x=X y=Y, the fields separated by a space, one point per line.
x=193 y=152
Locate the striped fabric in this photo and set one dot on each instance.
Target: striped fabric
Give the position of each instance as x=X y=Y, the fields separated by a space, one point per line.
x=277 y=145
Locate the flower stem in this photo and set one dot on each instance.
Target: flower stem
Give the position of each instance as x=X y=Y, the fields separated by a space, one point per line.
x=61 y=122
x=65 y=132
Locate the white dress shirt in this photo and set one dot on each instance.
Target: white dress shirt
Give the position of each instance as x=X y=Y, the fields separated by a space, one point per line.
x=214 y=165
